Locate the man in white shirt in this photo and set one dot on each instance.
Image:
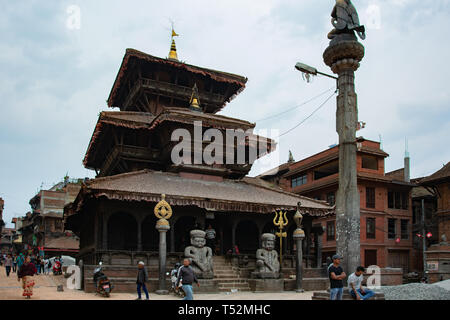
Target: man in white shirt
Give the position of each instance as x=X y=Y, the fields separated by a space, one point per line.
x=355 y=287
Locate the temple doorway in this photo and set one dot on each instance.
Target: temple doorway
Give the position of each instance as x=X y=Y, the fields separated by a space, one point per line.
x=247 y=237
x=122 y=232
x=183 y=227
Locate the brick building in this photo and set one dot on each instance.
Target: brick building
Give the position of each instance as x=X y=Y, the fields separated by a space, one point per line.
x=438 y=254
x=44 y=226
x=439 y=183
x=386 y=208
x=6 y=240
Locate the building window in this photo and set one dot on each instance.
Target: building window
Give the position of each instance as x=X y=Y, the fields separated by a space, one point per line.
x=299 y=181
x=370 y=228
x=405 y=200
x=390 y=199
x=370 y=258
x=404 y=229
x=391 y=228
x=369 y=162
x=331 y=198
x=398 y=200
x=331 y=231
x=58 y=226
x=370 y=197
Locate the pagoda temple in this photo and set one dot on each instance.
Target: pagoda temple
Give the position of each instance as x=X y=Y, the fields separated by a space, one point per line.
x=131 y=151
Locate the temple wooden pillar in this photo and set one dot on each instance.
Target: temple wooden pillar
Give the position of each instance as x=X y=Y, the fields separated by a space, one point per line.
x=105 y=232
x=308 y=243
x=318 y=246
x=139 y=235
x=172 y=237
x=233 y=234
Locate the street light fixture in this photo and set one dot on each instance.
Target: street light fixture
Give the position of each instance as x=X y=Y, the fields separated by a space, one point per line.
x=308 y=71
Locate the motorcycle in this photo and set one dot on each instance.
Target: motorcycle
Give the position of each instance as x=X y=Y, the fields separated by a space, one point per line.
x=178 y=292
x=102 y=283
x=57 y=269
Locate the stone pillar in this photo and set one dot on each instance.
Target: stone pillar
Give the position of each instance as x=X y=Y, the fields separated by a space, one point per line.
x=162 y=226
x=298 y=236
x=343 y=56
x=163 y=211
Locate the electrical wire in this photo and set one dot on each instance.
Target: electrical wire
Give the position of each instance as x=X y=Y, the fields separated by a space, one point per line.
x=297 y=106
x=304 y=120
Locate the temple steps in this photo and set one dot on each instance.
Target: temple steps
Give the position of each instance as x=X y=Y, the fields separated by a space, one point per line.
x=226 y=276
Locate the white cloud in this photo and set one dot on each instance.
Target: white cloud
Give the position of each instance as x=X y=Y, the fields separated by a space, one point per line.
x=54 y=81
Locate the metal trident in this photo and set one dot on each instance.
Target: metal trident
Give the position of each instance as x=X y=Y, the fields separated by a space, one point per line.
x=281 y=221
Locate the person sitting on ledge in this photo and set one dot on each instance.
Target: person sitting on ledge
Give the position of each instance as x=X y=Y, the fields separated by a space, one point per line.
x=355 y=287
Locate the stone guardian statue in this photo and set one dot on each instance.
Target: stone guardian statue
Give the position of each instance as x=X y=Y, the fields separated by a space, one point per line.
x=200 y=256
x=267 y=264
x=345 y=20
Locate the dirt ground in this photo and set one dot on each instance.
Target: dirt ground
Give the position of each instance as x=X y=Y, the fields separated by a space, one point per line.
x=45 y=289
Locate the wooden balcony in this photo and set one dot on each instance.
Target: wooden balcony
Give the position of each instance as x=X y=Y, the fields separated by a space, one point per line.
x=170 y=90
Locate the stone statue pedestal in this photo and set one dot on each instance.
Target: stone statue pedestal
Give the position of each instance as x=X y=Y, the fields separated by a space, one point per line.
x=266 y=285
x=206 y=286
x=205 y=275
x=265 y=275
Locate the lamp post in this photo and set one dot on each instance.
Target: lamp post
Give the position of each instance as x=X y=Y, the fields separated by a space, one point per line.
x=343 y=56
x=298 y=236
x=163 y=211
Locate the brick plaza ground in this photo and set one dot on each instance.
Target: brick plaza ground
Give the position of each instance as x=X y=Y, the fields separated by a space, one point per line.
x=45 y=289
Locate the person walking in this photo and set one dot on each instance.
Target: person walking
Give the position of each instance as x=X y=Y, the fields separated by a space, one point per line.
x=355 y=287
x=42 y=260
x=49 y=266
x=38 y=265
x=186 y=277
x=20 y=260
x=336 y=275
x=8 y=264
x=26 y=273
x=211 y=238
x=142 y=278
x=15 y=263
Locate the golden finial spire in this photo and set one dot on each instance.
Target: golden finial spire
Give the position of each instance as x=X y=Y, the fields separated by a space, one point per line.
x=173 y=48
x=195 y=100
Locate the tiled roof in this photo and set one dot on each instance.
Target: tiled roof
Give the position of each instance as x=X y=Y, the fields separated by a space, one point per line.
x=214 y=75
x=439 y=176
x=248 y=194
x=62 y=243
x=141 y=120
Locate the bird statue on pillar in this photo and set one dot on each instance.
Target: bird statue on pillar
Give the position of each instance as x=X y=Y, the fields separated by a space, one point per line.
x=291 y=157
x=345 y=20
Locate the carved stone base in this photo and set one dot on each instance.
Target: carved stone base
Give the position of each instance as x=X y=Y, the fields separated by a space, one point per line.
x=206 y=286
x=266 y=285
x=265 y=275
x=205 y=275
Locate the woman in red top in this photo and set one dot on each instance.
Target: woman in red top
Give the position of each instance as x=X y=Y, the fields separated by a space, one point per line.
x=26 y=273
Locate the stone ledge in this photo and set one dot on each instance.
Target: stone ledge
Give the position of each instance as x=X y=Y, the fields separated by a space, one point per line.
x=325 y=295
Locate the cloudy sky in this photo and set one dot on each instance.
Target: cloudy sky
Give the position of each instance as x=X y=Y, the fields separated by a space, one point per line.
x=56 y=73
